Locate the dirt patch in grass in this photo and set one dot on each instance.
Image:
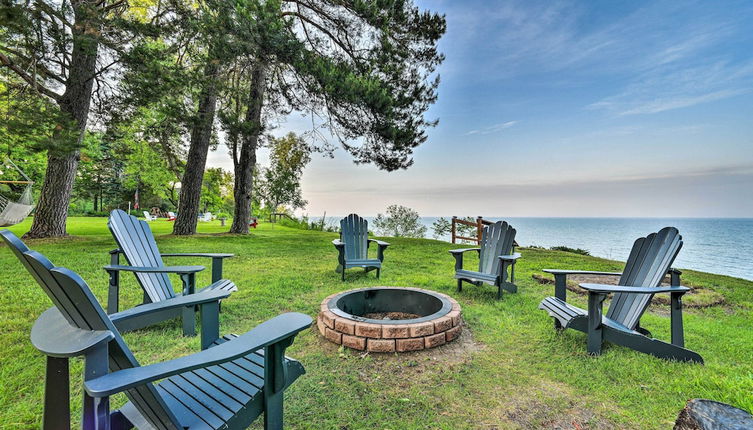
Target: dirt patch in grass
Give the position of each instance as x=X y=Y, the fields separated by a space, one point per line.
x=545 y=405
x=697 y=297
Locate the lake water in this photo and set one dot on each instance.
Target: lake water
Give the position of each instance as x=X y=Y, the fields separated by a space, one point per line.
x=715 y=245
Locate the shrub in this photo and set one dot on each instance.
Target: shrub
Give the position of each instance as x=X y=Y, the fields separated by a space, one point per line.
x=573 y=250
x=400 y=221
x=441 y=227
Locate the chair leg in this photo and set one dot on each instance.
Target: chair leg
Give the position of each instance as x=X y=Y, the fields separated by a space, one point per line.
x=342 y=274
x=499 y=292
x=460 y=285
x=273 y=413
x=379 y=271
x=595 y=329
x=189 y=321
x=594 y=341
x=96 y=411
x=210 y=324
x=678 y=336
x=57 y=414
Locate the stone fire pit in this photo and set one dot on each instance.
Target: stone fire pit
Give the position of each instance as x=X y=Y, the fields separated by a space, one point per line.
x=389 y=319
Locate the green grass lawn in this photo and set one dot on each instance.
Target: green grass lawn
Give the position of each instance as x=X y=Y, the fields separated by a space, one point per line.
x=509 y=370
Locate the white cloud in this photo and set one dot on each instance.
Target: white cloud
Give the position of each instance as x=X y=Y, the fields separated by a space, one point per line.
x=492 y=128
x=676 y=86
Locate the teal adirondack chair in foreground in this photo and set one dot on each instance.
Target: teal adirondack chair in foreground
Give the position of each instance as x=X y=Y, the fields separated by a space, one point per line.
x=226 y=386
x=136 y=241
x=496 y=254
x=650 y=259
x=146 y=314
x=353 y=246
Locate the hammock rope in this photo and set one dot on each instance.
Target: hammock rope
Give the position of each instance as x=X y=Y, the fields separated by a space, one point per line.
x=13 y=212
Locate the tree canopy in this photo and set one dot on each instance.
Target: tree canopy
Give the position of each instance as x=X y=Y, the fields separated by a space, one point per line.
x=104 y=97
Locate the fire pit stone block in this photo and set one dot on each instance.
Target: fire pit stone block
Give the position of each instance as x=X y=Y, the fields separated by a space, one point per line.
x=381 y=345
x=395 y=331
x=415 y=344
x=368 y=330
x=354 y=342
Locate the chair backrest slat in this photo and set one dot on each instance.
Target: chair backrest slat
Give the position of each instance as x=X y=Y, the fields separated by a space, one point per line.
x=496 y=239
x=75 y=301
x=648 y=263
x=135 y=239
x=354 y=232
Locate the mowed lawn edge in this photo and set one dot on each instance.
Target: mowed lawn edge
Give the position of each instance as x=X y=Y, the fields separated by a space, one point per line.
x=512 y=370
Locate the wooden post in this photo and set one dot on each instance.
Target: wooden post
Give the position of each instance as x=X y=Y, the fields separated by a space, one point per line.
x=479 y=228
x=454 y=219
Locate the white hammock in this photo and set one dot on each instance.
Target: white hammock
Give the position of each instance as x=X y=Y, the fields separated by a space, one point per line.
x=12 y=213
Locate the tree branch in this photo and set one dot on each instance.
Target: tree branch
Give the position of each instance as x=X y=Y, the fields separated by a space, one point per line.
x=332 y=37
x=38 y=66
x=52 y=12
x=4 y=60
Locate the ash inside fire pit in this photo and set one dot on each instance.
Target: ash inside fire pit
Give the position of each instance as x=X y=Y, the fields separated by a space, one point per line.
x=390 y=316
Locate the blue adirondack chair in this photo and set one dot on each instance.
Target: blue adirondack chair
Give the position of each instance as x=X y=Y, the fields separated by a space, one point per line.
x=144 y=315
x=136 y=241
x=353 y=246
x=650 y=260
x=496 y=254
x=226 y=386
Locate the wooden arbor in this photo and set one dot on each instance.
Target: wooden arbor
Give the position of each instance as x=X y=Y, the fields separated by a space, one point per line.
x=650 y=259
x=496 y=254
x=135 y=240
x=226 y=386
x=353 y=246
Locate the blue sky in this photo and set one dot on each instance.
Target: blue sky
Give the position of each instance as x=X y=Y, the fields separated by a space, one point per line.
x=572 y=108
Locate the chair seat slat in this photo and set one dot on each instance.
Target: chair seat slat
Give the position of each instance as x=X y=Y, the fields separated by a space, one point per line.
x=200 y=395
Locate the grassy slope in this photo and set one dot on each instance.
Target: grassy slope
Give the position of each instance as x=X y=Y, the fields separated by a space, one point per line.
x=524 y=375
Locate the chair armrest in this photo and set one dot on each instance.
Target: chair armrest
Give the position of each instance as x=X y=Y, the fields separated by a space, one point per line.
x=560 y=279
x=217 y=261
x=199 y=254
x=181 y=270
x=580 y=272
x=53 y=335
x=462 y=250
x=601 y=288
x=338 y=243
x=177 y=302
x=381 y=247
x=512 y=257
x=267 y=333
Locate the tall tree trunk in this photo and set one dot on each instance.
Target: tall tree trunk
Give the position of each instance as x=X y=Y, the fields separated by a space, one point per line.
x=201 y=135
x=55 y=196
x=246 y=163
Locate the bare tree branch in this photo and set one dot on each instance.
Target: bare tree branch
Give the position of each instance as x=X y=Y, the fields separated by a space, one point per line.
x=332 y=37
x=4 y=60
x=37 y=65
